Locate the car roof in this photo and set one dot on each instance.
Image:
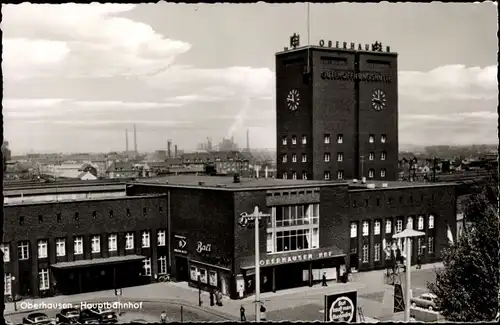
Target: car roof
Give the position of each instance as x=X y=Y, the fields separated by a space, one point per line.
x=37 y=315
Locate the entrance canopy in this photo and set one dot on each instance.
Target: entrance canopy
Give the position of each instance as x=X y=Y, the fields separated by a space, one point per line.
x=98 y=261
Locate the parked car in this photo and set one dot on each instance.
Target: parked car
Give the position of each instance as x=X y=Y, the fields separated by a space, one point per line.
x=68 y=316
x=100 y=315
x=37 y=319
x=426 y=301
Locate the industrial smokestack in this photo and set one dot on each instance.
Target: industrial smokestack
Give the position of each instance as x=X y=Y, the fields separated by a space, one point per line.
x=126 y=140
x=175 y=151
x=248 y=140
x=266 y=172
x=169 y=148
x=135 y=139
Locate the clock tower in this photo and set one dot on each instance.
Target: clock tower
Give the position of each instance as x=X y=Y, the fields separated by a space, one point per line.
x=337 y=112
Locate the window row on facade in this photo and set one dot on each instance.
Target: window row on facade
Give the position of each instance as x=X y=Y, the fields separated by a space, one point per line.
x=327 y=139
x=44 y=274
x=23 y=249
x=389 y=227
x=76 y=215
x=378 y=250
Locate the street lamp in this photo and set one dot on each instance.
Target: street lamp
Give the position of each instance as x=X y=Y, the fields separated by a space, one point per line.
x=13 y=292
x=198 y=274
x=243 y=221
x=408 y=234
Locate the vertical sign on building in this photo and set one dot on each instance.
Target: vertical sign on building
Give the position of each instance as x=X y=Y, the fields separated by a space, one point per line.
x=341 y=307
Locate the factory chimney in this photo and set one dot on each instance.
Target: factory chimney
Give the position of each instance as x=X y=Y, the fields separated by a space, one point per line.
x=248 y=140
x=126 y=141
x=175 y=151
x=169 y=149
x=135 y=139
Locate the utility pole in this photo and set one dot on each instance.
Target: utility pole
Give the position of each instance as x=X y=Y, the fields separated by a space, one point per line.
x=362 y=165
x=434 y=170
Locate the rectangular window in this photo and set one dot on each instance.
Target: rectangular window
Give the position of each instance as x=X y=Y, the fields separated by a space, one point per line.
x=60 y=247
x=162 y=234
x=365 y=254
x=284 y=141
x=112 y=243
x=304 y=139
x=327 y=175
x=382 y=173
x=366 y=228
x=382 y=155
x=78 y=245
x=23 y=250
x=327 y=138
x=376 y=228
x=371 y=138
x=420 y=223
x=431 y=222
x=376 y=252
x=285 y=176
x=294 y=157
x=145 y=239
x=383 y=138
x=294 y=139
x=7 y=289
x=304 y=158
x=399 y=226
x=354 y=230
x=294 y=175
x=203 y=276
x=147 y=266
x=269 y=243
x=6 y=252
x=193 y=273
x=420 y=245
x=340 y=156
x=409 y=223
x=340 y=138
x=95 y=244
x=212 y=278
x=388 y=226
x=326 y=157
x=304 y=175
x=371 y=156
x=162 y=265
x=42 y=248
x=431 y=245
x=371 y=173
x=129 y=240
x=284 y=158
x=340 y=174
x=44 y=279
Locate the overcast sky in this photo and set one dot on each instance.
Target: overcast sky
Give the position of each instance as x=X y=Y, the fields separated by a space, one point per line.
x=76 y=76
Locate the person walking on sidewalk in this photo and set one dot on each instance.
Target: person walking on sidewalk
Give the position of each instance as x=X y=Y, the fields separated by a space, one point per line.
x=243 y=317
x=419 y=263
x=163 y=317
x=324 y=284
x=219 y=298
x=263 y=313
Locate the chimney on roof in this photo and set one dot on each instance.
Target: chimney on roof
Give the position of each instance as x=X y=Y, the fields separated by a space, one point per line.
x=363 y=180
x=385 y=185
x=236 y=178
x=370 y=185
x=175 y=151
x=135 y=139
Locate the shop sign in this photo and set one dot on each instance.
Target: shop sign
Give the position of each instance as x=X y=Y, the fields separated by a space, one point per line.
x=181 y=245
x=301 y=257
x=200 y=247
x=341 y=307
x=356 y=76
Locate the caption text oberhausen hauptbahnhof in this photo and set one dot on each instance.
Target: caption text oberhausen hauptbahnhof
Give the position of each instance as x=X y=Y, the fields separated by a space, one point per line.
x=82 y=305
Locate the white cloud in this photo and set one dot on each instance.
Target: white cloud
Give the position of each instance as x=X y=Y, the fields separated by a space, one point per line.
x=85 y=41
x=455 y=82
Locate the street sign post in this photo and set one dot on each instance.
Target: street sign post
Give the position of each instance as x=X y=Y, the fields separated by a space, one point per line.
x=341 y=307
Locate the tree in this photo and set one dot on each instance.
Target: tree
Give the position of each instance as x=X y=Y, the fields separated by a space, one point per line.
x=467 y=288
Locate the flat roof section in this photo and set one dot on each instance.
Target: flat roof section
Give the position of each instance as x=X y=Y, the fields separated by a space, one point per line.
x=98 y=261
x=353 y=186
x=226 y=182
x=63 y=190
x=107 y=198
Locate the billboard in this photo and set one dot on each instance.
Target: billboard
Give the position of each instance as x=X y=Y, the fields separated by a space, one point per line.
x=341 y=307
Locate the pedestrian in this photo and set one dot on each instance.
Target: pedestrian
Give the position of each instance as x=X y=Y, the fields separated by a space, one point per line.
x=263 y=313
x=219 y=298
x=324 y=280
x=419 y=264
x=163 y=317
x=242 y=314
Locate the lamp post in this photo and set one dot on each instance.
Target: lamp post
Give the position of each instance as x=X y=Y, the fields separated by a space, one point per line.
x=13 y=292
x=243 y=221
x=198 y=274
x=408 y=234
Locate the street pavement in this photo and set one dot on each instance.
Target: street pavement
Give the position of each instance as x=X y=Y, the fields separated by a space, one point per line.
x=375 y=297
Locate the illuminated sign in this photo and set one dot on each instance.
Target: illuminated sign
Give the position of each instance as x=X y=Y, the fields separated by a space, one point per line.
x=341 y=307
x=301 y=257
x=181 y=244
x=356 y=76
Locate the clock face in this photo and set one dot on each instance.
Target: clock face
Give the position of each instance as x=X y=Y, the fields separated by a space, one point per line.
x=379 y=100
x=293 y=100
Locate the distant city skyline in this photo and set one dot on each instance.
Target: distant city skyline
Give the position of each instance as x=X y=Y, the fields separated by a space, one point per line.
x=74 y=80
